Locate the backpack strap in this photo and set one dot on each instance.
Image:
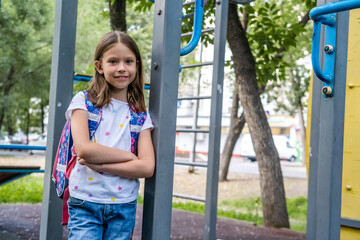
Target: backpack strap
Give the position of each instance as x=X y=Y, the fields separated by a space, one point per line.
x=94 y=118
x=137 y=120
x=94 y=115
x=65 y=155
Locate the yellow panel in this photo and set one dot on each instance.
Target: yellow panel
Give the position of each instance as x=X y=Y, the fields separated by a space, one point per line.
x=349 y=234
x=350 y=207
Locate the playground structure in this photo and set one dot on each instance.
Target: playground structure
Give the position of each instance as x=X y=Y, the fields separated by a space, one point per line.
x=334 y=167
x=163 y=102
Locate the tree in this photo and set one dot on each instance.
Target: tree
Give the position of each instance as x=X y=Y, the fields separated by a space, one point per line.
x=262 y=66
x=118 y=14
x=25 y=50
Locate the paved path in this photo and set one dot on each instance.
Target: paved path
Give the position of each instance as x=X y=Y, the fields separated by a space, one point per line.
x=22 y=222
x=289 y=169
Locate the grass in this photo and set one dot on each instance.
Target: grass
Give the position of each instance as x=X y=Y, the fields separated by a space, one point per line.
x=29 y=190
x=24 y=190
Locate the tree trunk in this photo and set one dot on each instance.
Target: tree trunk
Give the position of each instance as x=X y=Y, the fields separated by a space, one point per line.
x=42 y=106
x=302 y=131
x=27 y=130
x=118 y=15
x=271 y=180
x=8 y=85
x=236 y=127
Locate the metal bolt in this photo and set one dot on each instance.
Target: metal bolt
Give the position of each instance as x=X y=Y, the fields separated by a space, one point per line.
x=156 y=66
x=348 y=187
x=327 y=90
x=328 y=49
x=159 y=12
x=218 y=2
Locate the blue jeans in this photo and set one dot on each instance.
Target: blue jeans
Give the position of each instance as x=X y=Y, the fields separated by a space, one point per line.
x=88 y=220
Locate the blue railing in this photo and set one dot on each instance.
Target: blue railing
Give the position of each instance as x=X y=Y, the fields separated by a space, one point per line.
x=198 y=19
x=326 y=14
x=22 y=147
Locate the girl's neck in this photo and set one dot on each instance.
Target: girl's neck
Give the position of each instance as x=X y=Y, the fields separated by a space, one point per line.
x=120 y=95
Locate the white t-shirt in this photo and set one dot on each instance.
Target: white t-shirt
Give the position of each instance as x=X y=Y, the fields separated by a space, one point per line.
x=113 y=131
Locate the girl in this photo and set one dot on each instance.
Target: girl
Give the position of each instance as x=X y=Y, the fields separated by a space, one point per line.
x=103 y=184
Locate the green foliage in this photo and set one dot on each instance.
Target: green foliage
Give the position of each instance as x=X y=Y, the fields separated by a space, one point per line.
x=25 y=56
x=24 y=190
x=141 y=5
x=272 y=27
x=140 y=27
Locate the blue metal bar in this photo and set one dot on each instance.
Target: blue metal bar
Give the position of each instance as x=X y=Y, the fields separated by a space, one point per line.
x=333 y=8
x=326 y=14
x=22 y=170
x=22 y=147
x=327 y=77
x=199 y=4
x=352 y=223
x=82 y=78
x=87 y=78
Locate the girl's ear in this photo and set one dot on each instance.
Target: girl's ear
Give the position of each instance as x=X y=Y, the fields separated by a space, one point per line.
x=98 y=67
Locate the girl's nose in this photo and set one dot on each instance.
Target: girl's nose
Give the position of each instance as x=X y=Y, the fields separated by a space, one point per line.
x=120 y=67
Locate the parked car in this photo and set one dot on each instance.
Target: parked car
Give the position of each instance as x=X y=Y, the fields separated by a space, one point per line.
x=285 y=150
x=40 y=141
x=4 y=139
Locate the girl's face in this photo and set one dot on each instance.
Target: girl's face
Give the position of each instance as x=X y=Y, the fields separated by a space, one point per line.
x=119 y=66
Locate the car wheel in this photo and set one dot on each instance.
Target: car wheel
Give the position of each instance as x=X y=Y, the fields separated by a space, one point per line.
x=252 y=159
x=292 y=159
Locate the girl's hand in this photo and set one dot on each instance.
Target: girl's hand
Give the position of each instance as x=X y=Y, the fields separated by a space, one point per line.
x=92 y=166
x=81 y=161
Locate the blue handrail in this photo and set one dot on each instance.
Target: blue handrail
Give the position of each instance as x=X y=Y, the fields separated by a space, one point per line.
x=199 y=12
x=22 y=170
x=331 y=22
x=81 y=78
x=326 y=14
x=22 y=147
x=333 y=8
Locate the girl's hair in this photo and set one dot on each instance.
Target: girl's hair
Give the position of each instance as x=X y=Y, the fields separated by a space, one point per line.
x=99 y=90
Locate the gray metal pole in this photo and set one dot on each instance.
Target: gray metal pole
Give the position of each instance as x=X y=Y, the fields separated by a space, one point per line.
x=196 y=115
x=62 y=69
x=326 y=144
x=215 y=120
x=163 y=108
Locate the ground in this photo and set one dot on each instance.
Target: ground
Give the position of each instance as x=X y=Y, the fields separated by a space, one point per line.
x=22 y=221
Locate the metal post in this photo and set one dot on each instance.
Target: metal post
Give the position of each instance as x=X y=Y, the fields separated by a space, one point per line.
x=215 y=120
x=60 y=96
x=163 y=108
x=196 y=115
x=326 y=145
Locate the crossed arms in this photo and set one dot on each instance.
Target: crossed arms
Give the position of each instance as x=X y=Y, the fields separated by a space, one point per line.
x=111 y=160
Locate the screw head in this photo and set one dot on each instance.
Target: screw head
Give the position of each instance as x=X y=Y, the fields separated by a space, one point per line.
x=327 y=90
x=328 y=49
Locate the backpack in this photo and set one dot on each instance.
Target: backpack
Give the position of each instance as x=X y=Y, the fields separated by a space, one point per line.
x=65 y=158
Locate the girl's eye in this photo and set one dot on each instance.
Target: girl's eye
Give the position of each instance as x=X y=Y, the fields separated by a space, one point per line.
x=129 y=61
x=113 y=61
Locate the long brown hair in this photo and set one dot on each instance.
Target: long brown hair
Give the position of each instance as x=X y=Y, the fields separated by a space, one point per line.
x=99 y=90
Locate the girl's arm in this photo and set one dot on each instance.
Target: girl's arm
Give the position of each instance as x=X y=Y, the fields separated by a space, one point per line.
x=93 y=152
x=143 y=167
